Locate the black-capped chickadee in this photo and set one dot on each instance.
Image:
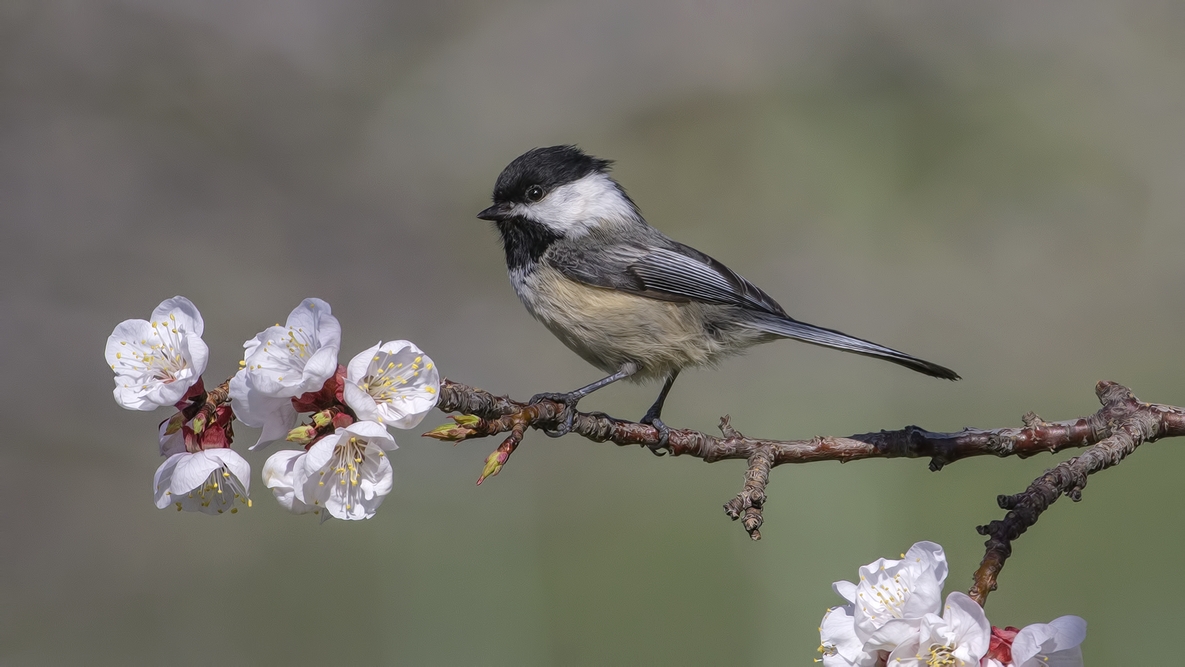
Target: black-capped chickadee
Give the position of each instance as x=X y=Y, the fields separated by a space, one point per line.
x=624 y=296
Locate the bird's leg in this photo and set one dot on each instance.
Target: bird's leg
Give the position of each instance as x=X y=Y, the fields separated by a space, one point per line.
x=652 y=417
x=571 y=398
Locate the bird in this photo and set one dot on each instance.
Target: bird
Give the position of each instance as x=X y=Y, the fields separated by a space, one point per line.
x=626 y=297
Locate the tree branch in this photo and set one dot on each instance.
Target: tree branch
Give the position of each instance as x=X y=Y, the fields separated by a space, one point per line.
x=1128 y=424
x=1121 y=425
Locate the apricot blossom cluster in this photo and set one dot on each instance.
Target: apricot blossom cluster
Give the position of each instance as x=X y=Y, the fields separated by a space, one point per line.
x=341 y=471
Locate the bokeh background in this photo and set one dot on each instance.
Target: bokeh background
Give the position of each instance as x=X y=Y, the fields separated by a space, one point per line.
x=998 y=187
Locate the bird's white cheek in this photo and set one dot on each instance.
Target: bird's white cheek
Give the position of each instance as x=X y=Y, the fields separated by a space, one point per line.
x=575 y=208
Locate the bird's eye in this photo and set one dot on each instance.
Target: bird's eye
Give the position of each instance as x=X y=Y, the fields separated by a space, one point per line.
x=534 y=193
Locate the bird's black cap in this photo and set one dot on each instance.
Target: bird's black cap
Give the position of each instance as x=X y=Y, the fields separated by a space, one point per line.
x=546 y=167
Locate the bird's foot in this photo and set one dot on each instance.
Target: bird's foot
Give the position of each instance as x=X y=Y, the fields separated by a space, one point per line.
x=569 y=400
x=664 y=434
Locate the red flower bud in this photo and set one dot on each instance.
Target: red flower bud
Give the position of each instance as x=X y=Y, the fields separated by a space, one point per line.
x=1000 y=646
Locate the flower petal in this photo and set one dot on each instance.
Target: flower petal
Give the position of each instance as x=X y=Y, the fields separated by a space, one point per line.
x=931 y=557
x=359 y=366
x=192 y=470
x=321 y=453
x=374 y=433
x=280 y=474
x=182 y=312
x=198 y=353
x=1057 y=641
x=926 y=563
x=838 y=642
x=845 y=589
x=893 y=633
x=968 y=624
x=906 y=654
x=360 y=401
x=315 y=316
x=277 y=470
x=320 y=367
x=275 y=415
x=162 y=482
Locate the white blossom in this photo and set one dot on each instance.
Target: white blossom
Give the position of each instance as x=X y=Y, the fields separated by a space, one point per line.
x=283 y=362
x=347 y=472
x=209 y=481
x=158 y=360
x=891 y=620
x=1053 y=644
x=903 y=590
x=958 y=638
x=298 y=357
x=394 y=384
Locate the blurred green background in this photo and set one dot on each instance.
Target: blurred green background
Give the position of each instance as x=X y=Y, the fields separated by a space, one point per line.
x=997 y=187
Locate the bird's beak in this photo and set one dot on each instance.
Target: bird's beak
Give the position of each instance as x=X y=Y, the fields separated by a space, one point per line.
x=495 y=213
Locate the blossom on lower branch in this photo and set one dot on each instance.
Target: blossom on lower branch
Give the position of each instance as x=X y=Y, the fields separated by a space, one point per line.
x=958 y=638
x=1053 y=644
x=885 y=606
x=891 y=620
x=344 y=475
x=839 y=645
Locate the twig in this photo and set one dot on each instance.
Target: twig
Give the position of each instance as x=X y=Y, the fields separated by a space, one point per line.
x=1129 y=423
x=749 y=501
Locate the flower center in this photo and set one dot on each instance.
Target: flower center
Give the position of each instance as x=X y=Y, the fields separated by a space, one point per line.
x=347 y=460
x=886 y=598
x=941 y=656
x=299 y=343
x=288 y=354
x=387 y=380
x=221 y=489
x=157 y=357
x=892 y=595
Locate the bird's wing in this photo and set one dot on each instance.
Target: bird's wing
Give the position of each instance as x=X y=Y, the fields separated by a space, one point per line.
x=672 y=273
x=686 y=272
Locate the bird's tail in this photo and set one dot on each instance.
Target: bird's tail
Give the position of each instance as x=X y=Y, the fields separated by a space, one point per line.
x=809 y=333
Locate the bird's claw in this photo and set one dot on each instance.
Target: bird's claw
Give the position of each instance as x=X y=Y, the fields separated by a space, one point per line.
x=664 y=435
x=569 y=401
